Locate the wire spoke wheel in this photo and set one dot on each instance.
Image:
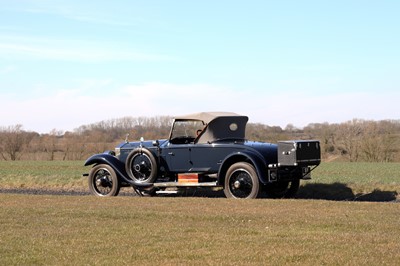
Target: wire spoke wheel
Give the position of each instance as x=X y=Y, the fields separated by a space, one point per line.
x=141 y=166
x=103 y=181
x=241 y=181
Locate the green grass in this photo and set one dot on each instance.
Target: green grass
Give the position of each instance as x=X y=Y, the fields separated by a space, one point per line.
x=351 y=173
x=348 y=181
x=43 y=174
x=85 y=230
x=332 y=181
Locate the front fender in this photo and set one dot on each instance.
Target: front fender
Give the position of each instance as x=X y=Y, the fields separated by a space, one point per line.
x=117 y=165
x=255 y=159
x=104 y=158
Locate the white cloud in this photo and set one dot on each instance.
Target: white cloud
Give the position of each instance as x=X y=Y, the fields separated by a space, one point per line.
x=7 y=69
x=79 y=12
x=15 y=47
x=302 y=109
x=69 y=109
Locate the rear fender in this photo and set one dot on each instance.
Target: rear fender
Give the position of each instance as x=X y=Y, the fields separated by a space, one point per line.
x=253 y=158
x=117 y=165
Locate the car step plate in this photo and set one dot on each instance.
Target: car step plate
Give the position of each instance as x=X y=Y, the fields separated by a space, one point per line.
x=167 y=192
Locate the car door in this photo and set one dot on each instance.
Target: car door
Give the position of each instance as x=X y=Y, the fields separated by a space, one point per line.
x=177 y=156
x=207 y=157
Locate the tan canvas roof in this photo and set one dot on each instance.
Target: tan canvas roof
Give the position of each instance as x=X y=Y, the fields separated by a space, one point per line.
x=207 y=117
x=218 y=125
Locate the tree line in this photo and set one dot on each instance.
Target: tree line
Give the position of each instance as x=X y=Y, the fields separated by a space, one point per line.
x=355 y=140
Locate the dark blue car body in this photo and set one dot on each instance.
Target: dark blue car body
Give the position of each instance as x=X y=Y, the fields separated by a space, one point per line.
x=205 y=150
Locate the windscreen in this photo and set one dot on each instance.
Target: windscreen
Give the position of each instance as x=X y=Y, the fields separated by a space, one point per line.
x=188 y=129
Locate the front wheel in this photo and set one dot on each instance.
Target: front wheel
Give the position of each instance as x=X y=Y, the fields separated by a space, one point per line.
x=103 y=181
x=241 y=181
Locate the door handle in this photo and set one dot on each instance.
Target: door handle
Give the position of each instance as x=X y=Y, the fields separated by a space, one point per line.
x=171 y=153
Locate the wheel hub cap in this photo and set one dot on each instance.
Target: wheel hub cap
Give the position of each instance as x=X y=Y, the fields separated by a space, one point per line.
x=102 y=182
x=236 y=184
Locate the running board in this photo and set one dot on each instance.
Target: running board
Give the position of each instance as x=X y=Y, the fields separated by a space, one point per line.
x=185 y=184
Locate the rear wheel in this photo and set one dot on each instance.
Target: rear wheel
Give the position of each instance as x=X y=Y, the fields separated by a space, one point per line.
x=103 y=181
x=282 y=189
x=241 y=181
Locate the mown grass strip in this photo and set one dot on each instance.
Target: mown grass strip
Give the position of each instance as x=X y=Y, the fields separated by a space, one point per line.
x=331 y=181
x=85 y=230
x=43 y=174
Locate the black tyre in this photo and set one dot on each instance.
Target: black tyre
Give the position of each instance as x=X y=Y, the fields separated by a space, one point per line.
x=241 y=181
x=283 y=189
x=103 y=181
x=141 y=166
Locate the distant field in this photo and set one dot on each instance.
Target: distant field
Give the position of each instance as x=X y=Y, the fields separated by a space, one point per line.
x=85 y=230
x=346 y=181
x=332 y=181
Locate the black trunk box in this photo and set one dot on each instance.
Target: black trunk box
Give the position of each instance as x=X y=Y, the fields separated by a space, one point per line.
x=299 y=152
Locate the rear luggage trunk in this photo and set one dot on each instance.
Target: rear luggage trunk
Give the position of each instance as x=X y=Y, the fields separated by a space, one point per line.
x=299 y=153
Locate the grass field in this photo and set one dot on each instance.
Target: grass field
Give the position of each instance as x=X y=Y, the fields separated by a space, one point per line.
x=86 y=230
x=353 y=181
x=43 y=174
x=331 y=181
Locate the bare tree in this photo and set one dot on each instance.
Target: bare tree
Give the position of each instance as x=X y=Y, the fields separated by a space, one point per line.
x=371 y=146
x=51 y=143
x=355 y=140
x=326 y=133
x=378 y=143
x=12 y=142
x=350 y=135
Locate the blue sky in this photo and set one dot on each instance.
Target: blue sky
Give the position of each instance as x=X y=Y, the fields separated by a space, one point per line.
x=68 y=63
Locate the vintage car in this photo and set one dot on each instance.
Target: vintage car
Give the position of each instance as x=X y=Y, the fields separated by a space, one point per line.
x=206 y=149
